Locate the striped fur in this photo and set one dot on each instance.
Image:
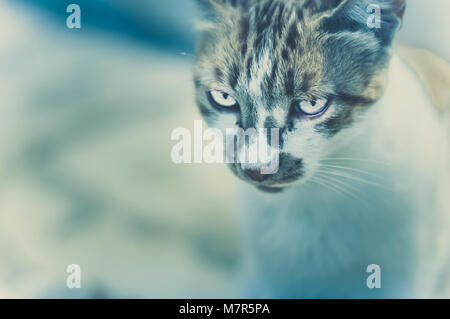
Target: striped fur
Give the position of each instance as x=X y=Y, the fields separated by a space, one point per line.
x=270 y=54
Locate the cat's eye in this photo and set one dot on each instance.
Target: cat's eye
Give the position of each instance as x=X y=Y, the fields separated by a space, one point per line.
x=311 y=108
x=221 y=99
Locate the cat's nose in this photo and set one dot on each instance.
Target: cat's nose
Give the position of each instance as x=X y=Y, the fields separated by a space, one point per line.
x=255 y=175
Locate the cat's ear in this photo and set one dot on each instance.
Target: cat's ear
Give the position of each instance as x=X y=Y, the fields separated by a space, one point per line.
x=382 y=17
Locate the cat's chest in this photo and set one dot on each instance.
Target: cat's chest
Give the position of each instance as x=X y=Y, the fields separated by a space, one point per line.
x=346 y=209
x=304 y=237
x=335 y=226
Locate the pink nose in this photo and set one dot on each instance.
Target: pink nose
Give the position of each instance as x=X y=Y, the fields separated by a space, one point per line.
x=255 y=175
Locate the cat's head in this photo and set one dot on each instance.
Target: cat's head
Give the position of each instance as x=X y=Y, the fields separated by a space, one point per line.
x=307 y=67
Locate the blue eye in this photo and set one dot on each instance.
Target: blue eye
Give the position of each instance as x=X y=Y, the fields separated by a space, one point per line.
x=311 y=108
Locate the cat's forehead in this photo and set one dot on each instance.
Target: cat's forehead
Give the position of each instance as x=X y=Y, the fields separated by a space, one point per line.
x=271 y=50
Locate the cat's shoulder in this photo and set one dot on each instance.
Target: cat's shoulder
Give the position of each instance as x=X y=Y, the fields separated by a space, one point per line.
x=432 y=70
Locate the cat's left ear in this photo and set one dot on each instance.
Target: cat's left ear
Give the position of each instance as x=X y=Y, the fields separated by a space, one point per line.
x=382 y=17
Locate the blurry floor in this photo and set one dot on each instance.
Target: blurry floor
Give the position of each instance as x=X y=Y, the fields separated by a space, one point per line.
x=86 y=175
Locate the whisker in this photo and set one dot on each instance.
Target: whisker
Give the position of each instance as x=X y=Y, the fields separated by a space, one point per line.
x=347 y=190
x=348 y=186
x=322 y=183
x=339 y=189
x=352 y=177
x=350 y=169
x=353 y=159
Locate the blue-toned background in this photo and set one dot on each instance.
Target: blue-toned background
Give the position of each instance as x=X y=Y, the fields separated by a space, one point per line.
x=85 y=171
x=164 y=24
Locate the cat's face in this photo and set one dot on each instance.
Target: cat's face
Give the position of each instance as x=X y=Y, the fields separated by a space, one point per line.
x=308 y=68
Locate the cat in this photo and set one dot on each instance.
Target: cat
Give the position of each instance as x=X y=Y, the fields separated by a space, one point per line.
x=364 y=162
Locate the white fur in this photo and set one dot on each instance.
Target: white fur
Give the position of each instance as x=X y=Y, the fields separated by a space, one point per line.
x=313 y=241
x=259 y=71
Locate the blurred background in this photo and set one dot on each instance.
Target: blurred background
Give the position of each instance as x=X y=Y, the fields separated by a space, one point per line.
x=85 y=171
